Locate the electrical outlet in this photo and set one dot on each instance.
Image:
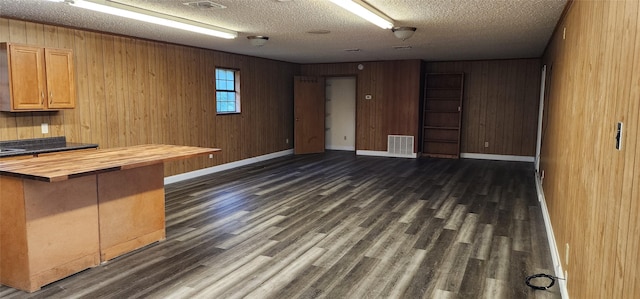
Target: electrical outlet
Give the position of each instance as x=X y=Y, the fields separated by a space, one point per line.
x=44 y=127
x=486 y=144
x=286 y=141
x=210 y=156
x=566 y=254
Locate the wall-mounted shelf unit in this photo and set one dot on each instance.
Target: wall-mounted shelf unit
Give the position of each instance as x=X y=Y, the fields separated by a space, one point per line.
x=442 y=115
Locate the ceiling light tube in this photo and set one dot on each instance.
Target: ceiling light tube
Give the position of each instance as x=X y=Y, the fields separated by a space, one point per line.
x=130 y=12
x=366 y=12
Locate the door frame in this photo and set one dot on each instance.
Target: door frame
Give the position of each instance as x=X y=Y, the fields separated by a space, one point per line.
x=543 y=82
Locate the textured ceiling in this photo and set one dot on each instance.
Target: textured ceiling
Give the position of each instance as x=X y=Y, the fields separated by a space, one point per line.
x=446 y=29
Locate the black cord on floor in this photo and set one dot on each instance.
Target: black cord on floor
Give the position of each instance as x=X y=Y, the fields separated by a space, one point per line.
x=536 y=287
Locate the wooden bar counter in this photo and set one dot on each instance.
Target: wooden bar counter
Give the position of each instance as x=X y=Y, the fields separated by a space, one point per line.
x=63 y=213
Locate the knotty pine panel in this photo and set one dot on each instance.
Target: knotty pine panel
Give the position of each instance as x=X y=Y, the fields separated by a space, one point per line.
x=500 y=104
x=132 y=91
x=394 y=107
x=592 y=190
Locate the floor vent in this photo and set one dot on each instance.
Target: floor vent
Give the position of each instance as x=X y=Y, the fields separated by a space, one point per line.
x=400 y=145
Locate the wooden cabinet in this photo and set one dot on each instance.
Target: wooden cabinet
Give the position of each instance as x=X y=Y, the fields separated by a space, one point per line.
x=49 y=230
x=442 y=115
x=130 y=209
x=60 y=214
x=60 y=228
x=35 y=78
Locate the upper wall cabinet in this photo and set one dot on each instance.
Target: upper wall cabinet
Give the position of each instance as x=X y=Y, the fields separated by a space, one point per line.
x=35 y=78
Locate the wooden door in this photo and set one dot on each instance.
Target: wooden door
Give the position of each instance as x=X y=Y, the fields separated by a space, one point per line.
x=28 y=85
x=309 y=115
x=60 y=78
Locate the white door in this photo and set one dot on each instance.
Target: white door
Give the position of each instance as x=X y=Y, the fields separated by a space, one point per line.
x=340 y=111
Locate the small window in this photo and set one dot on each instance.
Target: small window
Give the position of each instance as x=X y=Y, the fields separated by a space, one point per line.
x=227 y=91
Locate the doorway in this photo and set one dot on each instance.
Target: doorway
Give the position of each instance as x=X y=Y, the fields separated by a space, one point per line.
x=340 y=113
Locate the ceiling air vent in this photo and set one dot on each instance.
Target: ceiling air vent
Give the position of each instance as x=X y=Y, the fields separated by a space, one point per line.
x=402 y=47
x=205 y=5
x=352 y=50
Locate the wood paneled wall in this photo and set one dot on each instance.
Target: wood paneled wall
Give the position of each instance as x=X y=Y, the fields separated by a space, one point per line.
x=133 y=91
x=394 y=107
x=500 y=105
x=593 y=190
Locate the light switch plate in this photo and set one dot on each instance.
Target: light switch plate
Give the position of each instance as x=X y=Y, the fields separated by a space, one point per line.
x=619 y=136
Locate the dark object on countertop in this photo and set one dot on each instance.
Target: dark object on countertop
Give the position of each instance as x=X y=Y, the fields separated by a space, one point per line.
x=39 y=146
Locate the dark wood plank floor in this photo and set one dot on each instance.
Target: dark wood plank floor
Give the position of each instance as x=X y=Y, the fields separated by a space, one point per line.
x=337 y=226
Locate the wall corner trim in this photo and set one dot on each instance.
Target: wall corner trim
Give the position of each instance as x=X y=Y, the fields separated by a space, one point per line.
x=226 y=166
x=384 y=154
x=553 y=248
x=497 y=157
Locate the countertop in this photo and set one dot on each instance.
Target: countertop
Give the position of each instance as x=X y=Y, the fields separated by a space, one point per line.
x=68 y=165
x=36 y=146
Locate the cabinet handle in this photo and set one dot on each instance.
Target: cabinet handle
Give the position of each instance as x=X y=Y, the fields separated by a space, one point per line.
x=51 y=97
x=42 y=96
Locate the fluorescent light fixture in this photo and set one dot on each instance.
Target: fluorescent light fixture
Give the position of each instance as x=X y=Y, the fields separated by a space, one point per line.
x=366 y=12
x=130 y=12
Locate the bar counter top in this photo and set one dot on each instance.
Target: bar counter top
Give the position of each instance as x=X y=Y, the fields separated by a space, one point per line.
x=68 y=165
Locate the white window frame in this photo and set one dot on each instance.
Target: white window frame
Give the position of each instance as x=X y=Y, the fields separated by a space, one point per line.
x=235 y=91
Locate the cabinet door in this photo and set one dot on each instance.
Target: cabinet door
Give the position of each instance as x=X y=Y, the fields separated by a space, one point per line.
x=60 y=79
x=28 y=85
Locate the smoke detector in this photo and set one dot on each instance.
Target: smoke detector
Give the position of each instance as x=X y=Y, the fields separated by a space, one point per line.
x=205 y=5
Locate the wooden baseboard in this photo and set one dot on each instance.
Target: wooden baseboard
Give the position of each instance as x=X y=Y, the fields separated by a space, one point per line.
x=137 y=243
x=62 y=271
x=384 y=154
x=497 y=157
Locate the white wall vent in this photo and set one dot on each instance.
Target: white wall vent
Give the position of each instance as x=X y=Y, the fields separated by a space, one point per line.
x=400 y=146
